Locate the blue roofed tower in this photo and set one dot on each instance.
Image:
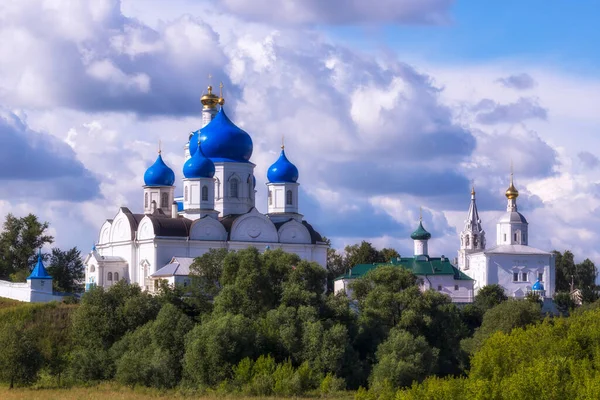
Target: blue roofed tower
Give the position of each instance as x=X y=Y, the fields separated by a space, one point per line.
x=158 y=187
x=282 y=195
x=39 y=279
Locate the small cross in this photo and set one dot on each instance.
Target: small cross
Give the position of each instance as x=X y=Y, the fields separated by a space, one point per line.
x=420 y=213
x=159 y=146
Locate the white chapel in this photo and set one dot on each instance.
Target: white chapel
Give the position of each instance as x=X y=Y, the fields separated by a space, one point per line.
x=511 y=263
x=216 y=210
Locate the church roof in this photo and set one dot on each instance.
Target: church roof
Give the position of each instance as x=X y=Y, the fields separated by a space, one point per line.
x=420 y=233
x=512 y=216
x=515 y=249
x=417 y=265
x=179 y=266
x=170 y=227
x=473 y=222
x=39 y=271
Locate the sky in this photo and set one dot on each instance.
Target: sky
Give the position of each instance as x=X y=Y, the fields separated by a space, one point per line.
x=386 y=107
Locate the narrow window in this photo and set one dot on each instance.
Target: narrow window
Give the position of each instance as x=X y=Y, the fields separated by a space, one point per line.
x=233 y=188
x=474 y=240
x=288 y=198
x=204 y=193
x=439 y=288
x=505 y=237
x=145 y=200
x=164 y=200
x=540 y=276
x=92 y=268
x=455 y=287
x=515 y=236
x=515 y=276
x=218 y=186
x=185 y=195
x=116 y=276
x=466 y=241
x=270 y=198
x=109 y=277
x=250 y=186
x=524 y=276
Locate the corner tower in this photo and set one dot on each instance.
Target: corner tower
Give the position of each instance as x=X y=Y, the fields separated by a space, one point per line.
x=421 y=237
x=472 y=237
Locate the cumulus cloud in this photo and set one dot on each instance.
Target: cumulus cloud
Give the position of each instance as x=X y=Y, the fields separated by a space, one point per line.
x=519 y=81
x=588 y=159
x=342 y=11
x=37 y=165
x=489 y=112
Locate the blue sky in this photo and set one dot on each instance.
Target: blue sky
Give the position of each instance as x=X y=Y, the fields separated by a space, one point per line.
x=386 y=107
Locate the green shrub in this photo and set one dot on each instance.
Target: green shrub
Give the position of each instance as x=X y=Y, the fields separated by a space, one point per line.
x=331 y=384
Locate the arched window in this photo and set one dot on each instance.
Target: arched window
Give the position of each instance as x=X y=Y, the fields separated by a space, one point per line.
x=250 y=186
x=185 y=195
x=204 y=193
x=515 y=236
x=145 y=200
x=116 y=276
x=109 y=276
x=233 y=188
x=474 y=240
x=218 y=186
x=466 y=240
x=164 y=200
x=289 y=200
x=92 y=268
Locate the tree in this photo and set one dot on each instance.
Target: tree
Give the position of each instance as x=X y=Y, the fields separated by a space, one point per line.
x=402 y=359
x=490 y=296
x=582 y=276
x=20 y=358
x=66 y=269
x=363 y=253
x=19 y=242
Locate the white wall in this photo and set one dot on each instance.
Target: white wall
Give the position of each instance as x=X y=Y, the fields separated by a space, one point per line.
x=23 y=292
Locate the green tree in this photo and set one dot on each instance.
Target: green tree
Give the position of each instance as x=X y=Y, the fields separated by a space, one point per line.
x=503 y=318
x=19 y=242
x=66 y=269
x=388 y=254
x=490 y=296
x=20 y=358
x=402 y=359
x=564 y=302
x=363 y=253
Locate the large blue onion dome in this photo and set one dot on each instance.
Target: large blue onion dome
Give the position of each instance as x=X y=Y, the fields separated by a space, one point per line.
x=538 y=286
x=222 y=140
x=198 y=166
x=282 y=171
x=420 y=233
x=159 y=174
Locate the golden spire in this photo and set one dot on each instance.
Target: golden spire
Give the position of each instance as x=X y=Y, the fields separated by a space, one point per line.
x=221 y=99
x=511 y=192
x=472 y=187
x=209 y=100
x=282 y=142
x=159 y=146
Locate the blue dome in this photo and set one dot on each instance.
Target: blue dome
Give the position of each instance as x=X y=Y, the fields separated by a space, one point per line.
x=159 y=174
x=282 y=170
x=198 y=166
x=222 y=140
x=538 y=286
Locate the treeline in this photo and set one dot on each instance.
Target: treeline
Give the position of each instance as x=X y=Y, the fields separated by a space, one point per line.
x=260 y=324
x=20 y=241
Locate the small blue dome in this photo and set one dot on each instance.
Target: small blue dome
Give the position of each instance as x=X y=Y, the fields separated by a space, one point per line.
x=538 y=286
x=282 y=171
x=159 y=174
x=222 y=140
x=198 y=166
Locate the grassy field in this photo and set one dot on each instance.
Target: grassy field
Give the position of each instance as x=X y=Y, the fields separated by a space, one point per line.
x=7 y=303
x=116 y=392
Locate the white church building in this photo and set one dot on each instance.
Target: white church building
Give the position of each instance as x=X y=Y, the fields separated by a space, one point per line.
x=217 y=210
x=511 y=263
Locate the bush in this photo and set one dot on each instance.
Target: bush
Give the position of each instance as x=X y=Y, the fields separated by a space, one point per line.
x=331 y=384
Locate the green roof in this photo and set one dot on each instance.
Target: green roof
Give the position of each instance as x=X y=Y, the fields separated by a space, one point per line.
x=421 y=265
x=420 y=233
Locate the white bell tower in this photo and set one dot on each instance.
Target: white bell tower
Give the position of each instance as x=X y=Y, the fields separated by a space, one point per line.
x=472 y=237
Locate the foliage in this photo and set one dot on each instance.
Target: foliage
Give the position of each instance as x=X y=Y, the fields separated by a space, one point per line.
x=503 y=317
x=582 y=276
x=20 y=358
x=66 y=269
x=19 y=242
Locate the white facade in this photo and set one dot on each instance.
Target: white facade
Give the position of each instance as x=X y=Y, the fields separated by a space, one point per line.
x=512 y=263
x=216 y=212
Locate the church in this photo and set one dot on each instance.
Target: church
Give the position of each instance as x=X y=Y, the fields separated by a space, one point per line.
x=216 y=210
x=511 y=263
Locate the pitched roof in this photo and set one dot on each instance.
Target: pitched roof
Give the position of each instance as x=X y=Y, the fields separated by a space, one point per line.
x=422 y=265
x=515 y=249
x=39 y=271
x=179 y=266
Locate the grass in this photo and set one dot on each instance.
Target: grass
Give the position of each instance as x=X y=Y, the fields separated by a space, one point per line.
x=8 y=303
x=112 y=391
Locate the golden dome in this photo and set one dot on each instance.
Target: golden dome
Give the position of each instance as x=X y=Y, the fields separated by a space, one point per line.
x=210 y=100
x=511 y=192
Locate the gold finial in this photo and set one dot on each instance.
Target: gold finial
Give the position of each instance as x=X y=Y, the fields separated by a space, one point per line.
x=282 y=142
x=511 y=192
x=209 y=100
x=472 y=187
x=159 y=146
x=221 y=99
